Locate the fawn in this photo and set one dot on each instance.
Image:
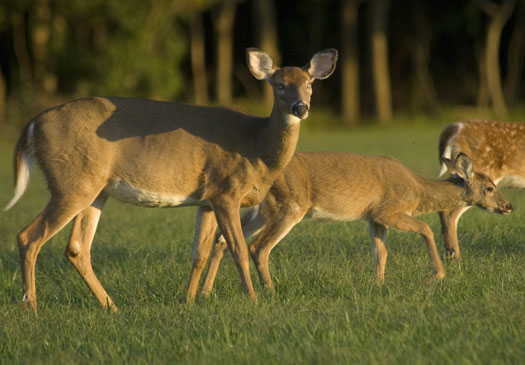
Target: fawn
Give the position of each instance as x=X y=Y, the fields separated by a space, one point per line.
x=497 y=150
x=346 y=187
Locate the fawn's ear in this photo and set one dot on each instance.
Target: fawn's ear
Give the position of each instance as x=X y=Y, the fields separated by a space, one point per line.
x=464 y=166
x=260 y=63
x=322 y=64
x=451 y=166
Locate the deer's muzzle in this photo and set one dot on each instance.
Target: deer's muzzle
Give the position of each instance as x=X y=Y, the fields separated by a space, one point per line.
x=300 y=109
x=507 y=209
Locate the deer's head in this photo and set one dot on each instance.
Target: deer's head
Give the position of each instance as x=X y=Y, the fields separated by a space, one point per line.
x=292 y=86
x=480 y=189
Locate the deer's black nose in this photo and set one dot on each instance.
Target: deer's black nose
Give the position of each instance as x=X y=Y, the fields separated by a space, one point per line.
x=508 y=207
x=300 y=109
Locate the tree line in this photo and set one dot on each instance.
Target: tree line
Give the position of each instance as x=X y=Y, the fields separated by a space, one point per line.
x=394 y=55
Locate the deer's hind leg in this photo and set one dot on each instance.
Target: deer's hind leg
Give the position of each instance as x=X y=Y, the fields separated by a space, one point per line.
x=205 y=227
x=57 y=213
x=78 y=250
x=404 y=222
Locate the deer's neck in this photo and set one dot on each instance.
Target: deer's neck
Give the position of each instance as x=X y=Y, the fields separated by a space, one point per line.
x=278 y=140
x=441 y=195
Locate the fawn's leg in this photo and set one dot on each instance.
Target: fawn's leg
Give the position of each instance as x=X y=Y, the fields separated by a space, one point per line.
x=404 y=222
x=273 y=232
x=449 y=228
x=378 y=237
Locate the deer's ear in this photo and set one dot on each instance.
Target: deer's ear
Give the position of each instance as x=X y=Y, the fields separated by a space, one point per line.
x=451 y=167
x=464 y=166
x=322 y=64
x=259 y=63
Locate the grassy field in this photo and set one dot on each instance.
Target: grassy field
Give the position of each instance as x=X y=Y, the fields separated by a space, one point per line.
x=326 y=307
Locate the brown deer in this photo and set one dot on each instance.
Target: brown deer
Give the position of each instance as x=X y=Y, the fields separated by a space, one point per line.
x=497 y=150
x=346 y=187
x=160 y=154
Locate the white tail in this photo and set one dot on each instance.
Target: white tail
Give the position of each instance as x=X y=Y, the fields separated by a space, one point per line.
x=23 y=165
x=497 y=149
x=160 y=154
x=345 y=187
x=22 y=180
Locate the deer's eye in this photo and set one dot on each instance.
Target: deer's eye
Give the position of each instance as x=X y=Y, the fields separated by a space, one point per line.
x=490 y=189
x=280 y=86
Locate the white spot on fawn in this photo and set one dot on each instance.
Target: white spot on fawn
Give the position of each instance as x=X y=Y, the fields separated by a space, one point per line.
x=25 y=298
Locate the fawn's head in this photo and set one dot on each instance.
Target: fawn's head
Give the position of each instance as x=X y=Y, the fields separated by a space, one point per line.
x=292 y=86
x=480 y=189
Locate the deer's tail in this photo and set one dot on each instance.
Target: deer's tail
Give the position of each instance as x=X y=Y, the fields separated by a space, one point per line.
x=23 y=161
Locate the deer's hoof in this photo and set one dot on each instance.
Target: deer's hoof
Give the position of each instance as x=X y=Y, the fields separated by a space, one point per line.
x=451 y=254
x=438 y=276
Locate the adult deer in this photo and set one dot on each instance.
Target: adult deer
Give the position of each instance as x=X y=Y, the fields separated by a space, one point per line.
x=160 y=154
x=497 y=150
x=346 y=187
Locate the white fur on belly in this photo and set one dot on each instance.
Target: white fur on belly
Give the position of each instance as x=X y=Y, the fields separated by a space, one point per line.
x=318 y=213
x=512 y=181
x=127 y=193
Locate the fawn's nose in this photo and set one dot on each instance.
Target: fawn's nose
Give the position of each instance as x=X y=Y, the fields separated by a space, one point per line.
x=300 y=109
x=508 y=207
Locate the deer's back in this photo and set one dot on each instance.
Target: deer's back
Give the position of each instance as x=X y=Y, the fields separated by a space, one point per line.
x=496 y=149
x=347 y=186
x=143 y=145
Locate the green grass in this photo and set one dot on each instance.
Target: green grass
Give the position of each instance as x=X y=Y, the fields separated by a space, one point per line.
x=326 y=307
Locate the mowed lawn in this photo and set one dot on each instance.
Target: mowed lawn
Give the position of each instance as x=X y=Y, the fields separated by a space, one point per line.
x=326 y=308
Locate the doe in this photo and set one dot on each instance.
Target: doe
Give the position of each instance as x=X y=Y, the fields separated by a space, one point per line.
x=160 y=154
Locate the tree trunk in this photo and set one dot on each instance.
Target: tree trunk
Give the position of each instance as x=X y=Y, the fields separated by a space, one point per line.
x=265 y=21
x=198 y=59
x=380 y=68
x=224 y=22
x=515 y=59
x=25 y=69
x=350 y=62
x=40 y=37
x=3 y=91
x=499 y=15
x=423 y=91
x=483 y=98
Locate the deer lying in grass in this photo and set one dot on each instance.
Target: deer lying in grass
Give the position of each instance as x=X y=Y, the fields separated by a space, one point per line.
x=497 y=150
x=345 y=187
x=160 y=154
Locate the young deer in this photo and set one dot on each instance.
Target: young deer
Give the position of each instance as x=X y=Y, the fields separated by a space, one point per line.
x=345 y=187
x=160 y=154
x=497 y=150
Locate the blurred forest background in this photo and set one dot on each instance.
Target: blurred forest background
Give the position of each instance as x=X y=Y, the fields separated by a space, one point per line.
x=395 y=57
